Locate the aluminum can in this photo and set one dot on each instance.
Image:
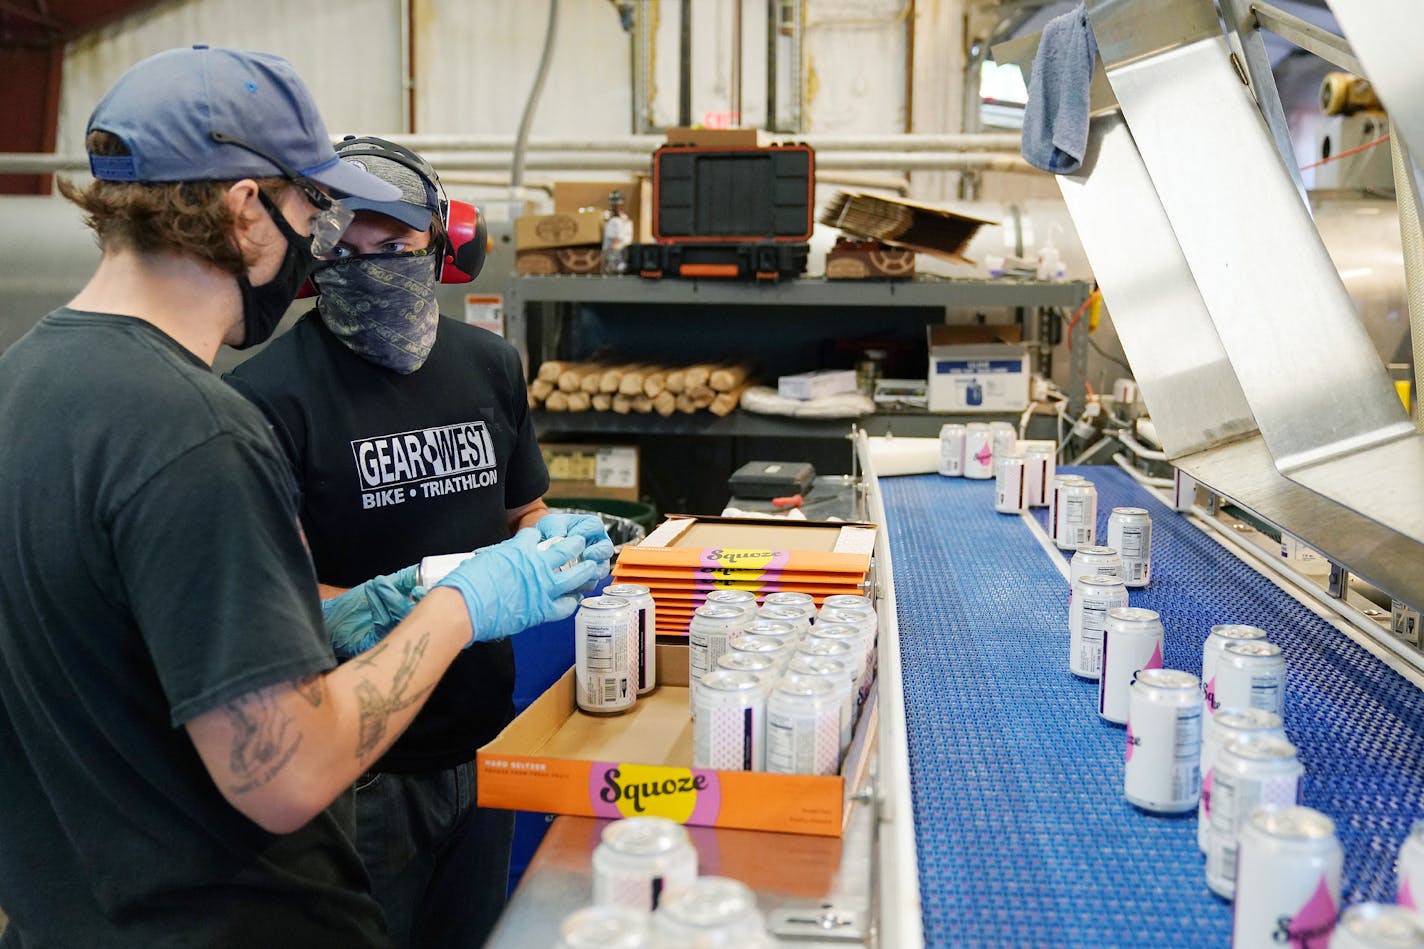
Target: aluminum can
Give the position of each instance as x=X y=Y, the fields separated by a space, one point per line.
x=838 y=601
x=1004 y=438
x=713 y=911
x=1288 y=891
x=1160 y=771
x=1130 y=534
x=1096 y=561
x=639 y=858
x=978 y=451
x=1132 y=642
x=729 y=722
x=831 y=648
x=764 y=667
x=774 y=628
x=1249 y=772
x=951 y=450
x=863 y=645
x=796 y=617
x=868 y=621
x=1040 y=464
x=604 y=655
x=744 y=599
x=804 y=601
x=1217 y=640
x=1077 y=515
x=1252 y=675
x=803 y=726
x=1218 y=728
x=435 y=568
x=606 y=927
x=1010 y=486
x=841 y=674
x=1378 y=926
x=1093 y=596
x=1411 y=869
x=778 y=649
x=1404 y=621
x=645 y=631
x=708 y=636
x=1055 y=496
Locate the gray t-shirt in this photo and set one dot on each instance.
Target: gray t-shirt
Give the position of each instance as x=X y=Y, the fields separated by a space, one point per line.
x=151 y=570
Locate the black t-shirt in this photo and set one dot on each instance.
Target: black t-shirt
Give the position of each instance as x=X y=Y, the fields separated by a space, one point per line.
x=396 y=467
x=153 y=571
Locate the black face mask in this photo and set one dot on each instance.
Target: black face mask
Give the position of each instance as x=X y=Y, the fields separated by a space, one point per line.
x=263 y=307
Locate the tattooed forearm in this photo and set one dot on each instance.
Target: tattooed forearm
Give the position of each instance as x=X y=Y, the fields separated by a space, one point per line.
x=311 y=689
x=376 y=707
x=263 y=739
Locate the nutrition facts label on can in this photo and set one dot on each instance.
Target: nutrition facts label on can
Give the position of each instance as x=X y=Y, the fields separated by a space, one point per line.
x=600 y=652
x=1266 y=692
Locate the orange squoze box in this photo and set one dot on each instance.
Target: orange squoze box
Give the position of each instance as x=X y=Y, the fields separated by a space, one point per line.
x=554 y=758
x=754 y=545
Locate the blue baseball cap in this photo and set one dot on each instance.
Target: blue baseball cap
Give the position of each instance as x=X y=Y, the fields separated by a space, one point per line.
x=168 y=109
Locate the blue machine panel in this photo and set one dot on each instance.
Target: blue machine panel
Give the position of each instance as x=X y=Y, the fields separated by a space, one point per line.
x=1023 y=834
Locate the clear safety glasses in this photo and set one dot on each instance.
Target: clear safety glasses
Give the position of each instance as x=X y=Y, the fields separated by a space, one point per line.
x=331 y=218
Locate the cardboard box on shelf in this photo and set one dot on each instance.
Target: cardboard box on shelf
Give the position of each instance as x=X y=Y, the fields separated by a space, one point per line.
x=559 y=260
x=977 y=369
x=592 y=471
x=720 y=138
x=562 y=229
x=554 y=758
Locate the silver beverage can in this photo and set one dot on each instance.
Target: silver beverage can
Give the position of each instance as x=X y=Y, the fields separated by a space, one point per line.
x=868 y=621
x=1040 y=464
x=1055 y=507
x=1096 y=561
x=1252 y=675
x=435 y=568
x=803 y=726
x=841 y=674
x=638 y=858
x=645 y=631
x=778 y=650
x=604 y=655
x=1404 y=621
x=1218 y=728
x=729 y=722
x=1288 y=880
x=1410 y=869
x=744 y=599
x=951 y=450
x=802 y=601
x=862 y=643
x=978 y=452
x=1217 y=640
x=713 y=911
x=764 y=666
x=796 y=617
x=774 y=628
x=1160 y=770
x=606 y=927
x=1132 y=642
x=1004 y=437
x=708 y=636
x=838 y=601
x=1010 y=484
x=1130 y=534
x=1078 y=515
x=834 y=649
x=1088 y=609
x=1249 y=772
x=1378 y=926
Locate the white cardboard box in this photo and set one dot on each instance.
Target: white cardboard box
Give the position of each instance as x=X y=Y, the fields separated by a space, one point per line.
x=815 y=385
x=977 y=369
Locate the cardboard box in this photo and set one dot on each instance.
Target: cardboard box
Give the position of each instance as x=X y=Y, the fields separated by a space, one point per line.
x=977 y=369
x=815 y=385
x=900 y=222
x=559 y=260
x=720 y=138
x=556 y=759
x=592 y=471
x=748 y=543
x=570 y=196
x=563 y=229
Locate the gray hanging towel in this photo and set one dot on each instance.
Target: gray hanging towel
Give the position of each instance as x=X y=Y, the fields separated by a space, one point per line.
x=1055 y=126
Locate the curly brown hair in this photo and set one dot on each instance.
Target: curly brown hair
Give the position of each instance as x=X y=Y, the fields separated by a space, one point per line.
x=179 y=217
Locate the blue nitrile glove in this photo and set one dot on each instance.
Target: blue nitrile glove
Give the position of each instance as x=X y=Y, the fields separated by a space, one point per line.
x=511 y=586
x=587 y=526
x=362 y=616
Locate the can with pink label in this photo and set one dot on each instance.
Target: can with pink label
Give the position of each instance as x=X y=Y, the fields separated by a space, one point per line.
x=1288 y=886
x=1217 y=640
x=803 y=726
x=1411 y=869
x=978 y=451
x=1218 y=728
x=640 y=857
x=1132 y=642
x=1160 y=773
x=1010 y=486
x=1378 y=926
x=645 y=625
x=1249 y=772
x=729 y=721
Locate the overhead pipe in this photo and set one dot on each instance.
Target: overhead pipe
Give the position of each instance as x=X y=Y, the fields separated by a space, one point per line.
x=927 y=142
x=527 y=119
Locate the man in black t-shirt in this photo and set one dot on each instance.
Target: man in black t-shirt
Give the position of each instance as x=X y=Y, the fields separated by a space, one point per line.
x=174 y=739
x=410 y=435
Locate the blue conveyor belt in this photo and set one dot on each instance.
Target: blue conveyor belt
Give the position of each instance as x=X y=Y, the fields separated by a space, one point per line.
x=1024 y=838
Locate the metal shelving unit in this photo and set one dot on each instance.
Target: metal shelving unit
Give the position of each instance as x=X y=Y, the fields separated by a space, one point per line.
x=749 y=425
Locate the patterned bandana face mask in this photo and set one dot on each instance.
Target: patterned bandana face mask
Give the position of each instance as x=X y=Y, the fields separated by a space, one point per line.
x=382 y=306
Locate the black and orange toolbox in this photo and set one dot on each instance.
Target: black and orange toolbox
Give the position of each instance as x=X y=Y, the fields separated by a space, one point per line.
x=738 y=213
